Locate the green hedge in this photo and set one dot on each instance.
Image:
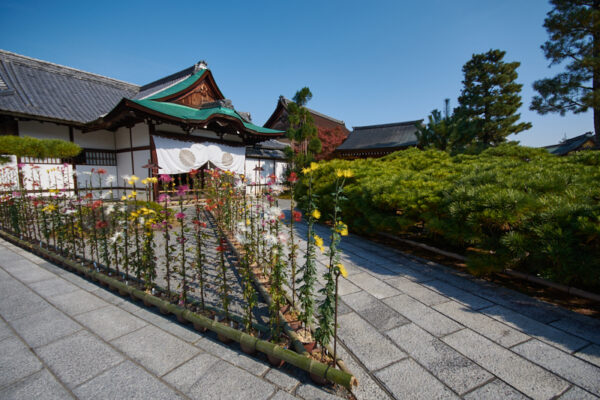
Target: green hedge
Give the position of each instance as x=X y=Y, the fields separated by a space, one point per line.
x=508 y=207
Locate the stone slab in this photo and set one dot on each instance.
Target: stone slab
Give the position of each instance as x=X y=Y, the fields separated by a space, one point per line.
x=588 y=331
x=591 y=354
x=531 y=327
x=184 y=376
x=417 y=291
x=110 y=322
x=377 y=313
x=44 y=327
x=482 y=324
x=408 y=380
x=125 y=381
x=308 y=391
x=39 y=386
x=233 y=355
x=495 y=390
x=281 y=395
x=426 y=317
x=347 y=287
x=28 y=272
x=5 y=331
x=77 y=302
x=21 y=304
x=16 y=361
x=576 y=393
x=371 y=347
x=367 y=388
x=519 y=373
x=282 y=378
x=374 y=286
x=459 y=295
x=445 y=363
x=225 y=381
x=155 y=349
x=79 y=357
x=53 y=287
x=564 y=365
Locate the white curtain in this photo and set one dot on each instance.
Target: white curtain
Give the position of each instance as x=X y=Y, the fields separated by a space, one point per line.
x=178 y=157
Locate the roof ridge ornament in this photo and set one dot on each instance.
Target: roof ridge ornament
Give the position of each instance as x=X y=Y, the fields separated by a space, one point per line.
x=200 y=65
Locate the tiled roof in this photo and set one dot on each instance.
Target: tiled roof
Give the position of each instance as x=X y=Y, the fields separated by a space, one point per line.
x=398 y=134
x=43 y=89
x=570 y=145
x=165 y=83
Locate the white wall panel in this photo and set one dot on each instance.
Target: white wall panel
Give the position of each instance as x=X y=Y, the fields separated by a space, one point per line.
x=46 y=130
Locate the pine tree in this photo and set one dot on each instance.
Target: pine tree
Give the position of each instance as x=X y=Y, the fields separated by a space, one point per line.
x=302 y=130
x=490 y=97
x=574 y=29
x=452 y=132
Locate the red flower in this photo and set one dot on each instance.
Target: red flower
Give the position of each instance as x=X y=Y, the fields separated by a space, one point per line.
x=293 y=177
x=88 y=196
x=194 y=172
x=220 y=248
x=297 y=216
x=282 y=216
x=101 y=171
x=96 y=204
x=101 y=224
x=199 y=223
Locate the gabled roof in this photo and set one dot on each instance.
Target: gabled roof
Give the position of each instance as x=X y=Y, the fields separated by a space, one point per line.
x=184 y=114
x=33 y=87
x=384 y=136
x=573 y=144
x=279 y=118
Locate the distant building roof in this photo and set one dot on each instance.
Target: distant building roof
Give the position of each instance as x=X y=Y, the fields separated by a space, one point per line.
x=581 y=142
x=279 y=118
x=385 y=136
x=32 y=87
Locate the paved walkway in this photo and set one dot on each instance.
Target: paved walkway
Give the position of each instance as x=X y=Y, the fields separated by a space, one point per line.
x=409 y=328
x=64 y=337
x=416 y=329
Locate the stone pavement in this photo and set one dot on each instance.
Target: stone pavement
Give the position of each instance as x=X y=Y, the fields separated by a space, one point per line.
x=415 y=329
x=62 y=336
x=408 y=328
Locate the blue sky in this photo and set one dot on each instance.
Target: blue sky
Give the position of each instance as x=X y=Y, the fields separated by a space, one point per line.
x=365 y=62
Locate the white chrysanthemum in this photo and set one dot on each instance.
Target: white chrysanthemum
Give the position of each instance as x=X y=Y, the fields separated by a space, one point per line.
x=115 y=237
x=271 y=239
x=106 y=195
x=110 y=208
x=110 y=179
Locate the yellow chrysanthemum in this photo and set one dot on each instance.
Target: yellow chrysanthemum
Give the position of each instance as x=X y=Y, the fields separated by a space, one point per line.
x=247 y=222
x=134 y=214
x=49 y=208
x=348 y=173
x=316 y=214
x=339 y=173
x=123 y=198
x=145 y=181
x=318 y=241
x=133 y=178
x=132 y=194
x=153 y=180
x=306 y=171
x=342 y=270
x=342 y=228
x=314 y=166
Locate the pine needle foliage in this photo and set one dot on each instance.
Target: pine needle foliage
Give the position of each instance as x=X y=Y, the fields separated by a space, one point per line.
x=507 y=207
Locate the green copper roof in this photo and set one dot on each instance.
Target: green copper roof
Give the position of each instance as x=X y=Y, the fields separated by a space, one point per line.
x=194 y=114
x=187 y=82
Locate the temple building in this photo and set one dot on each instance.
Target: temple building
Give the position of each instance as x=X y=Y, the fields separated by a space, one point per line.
x=378 y=140
x=587 y=141
x=170 y=126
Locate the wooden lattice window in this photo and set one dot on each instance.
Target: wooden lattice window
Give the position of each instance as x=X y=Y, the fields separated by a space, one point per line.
x=97 y=157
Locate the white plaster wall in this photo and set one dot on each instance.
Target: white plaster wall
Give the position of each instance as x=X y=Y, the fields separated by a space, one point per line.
x=140 y=135
x=48 y=176
x=86 y=178
x=46 y=130
x=122 y=138
x=8 y=174
x=261 y=178
x=95 y=140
